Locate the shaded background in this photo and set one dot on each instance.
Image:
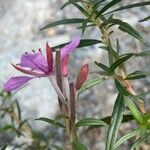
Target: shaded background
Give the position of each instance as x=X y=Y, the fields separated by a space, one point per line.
x=20 y=21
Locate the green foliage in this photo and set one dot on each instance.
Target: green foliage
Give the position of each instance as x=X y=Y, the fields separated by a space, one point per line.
x=117 y=117
x=63 y=22
x=140 y=141
x=78 y=146
x=145 y=19
x=106 y=7
x=125 y=27
x=130 y=6
x=51 y=121
x=118 y=63
x=127 y=137
x=83 y=43
x=90 y=122
x=90 y=84
x=137 y=75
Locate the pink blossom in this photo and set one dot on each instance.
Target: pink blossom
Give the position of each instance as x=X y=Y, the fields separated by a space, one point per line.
x=37 y=65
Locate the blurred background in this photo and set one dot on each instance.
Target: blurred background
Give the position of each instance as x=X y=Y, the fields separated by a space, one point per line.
x=20 y=21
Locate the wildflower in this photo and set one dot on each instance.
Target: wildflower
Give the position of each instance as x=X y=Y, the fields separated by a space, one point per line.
x=37 y=66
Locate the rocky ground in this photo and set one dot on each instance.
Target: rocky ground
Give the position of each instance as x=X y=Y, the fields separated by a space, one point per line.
x=20 y=21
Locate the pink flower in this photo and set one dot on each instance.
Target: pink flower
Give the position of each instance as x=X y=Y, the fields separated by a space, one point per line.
x=36 y=65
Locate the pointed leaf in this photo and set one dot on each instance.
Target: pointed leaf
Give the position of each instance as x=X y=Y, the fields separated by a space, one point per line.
x=51 y=121
x=114 y=126
x=127 y=137
x=119 y=62
x=140 y=141
x=84 y=24
x=145 y=19
x=90 y=84
x=121 y=88
x=124 y=26
x=102 y=66
x=134 y=110
x=107 y=6
x=144 y=53
x=110 y=53
x=131 y=6
x=107 y=120
x=81 y=9
x=19 y=110
x=63 y=22
x=83 y=43
x=137 y=75
x=90 y=122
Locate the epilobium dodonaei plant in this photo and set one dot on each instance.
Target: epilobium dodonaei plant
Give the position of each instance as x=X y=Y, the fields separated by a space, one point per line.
x=98 y=14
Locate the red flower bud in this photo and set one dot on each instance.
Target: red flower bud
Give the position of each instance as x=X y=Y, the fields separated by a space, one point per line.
x=83 y=73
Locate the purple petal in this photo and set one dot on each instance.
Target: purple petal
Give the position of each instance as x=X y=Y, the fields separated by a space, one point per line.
x=69 y=47
x=34 y=61
x=15 y=82
x=38 y=73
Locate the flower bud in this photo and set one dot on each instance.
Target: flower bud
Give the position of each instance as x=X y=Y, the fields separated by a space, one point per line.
x=83 y=73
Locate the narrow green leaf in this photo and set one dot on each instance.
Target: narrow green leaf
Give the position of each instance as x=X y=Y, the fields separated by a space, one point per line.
x=78 y=146
x=94 y=2
x=127 y=118
x=90 y=84
x=58 y=147
x=83 y=43
x=145 y=19
x=90 y=122
x=138 y=142
x=117 y=117
x=146 y=120
x=121 y=88
x=19 y=110
x=119 y=62
x=102 y=66
x=118 y=46
x=137 y=75
x=96 y=5
x=81 y=9
x=124 y=26
x=114 y=54
x=84 y=24
x=107 y=6
x=22 y=123
x=134 y=110
x=144 y=53
x=62 y=22
x=107 y=120
x=87 y=26
x=130 y=6
x=69 y=3
x=51 y=121
x=127 y=137
x=110 y=53
x=6 y=127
